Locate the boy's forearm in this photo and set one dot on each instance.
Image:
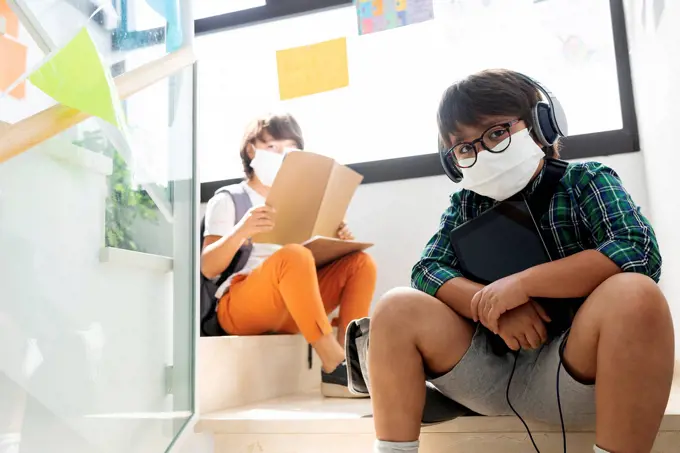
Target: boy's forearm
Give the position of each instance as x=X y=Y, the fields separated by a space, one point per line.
x=457 y=294
x=574 y=276
x=217 y=256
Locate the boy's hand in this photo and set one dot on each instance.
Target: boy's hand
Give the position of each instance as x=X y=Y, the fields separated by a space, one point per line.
x=523 y=327
x=344 y=233
x=493 y=300
x=259 y=219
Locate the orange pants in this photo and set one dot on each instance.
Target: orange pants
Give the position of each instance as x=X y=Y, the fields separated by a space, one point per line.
x=287 y=295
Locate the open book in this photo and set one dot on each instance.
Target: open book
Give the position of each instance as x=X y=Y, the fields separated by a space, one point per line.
x=311 y=194
x=326 y=250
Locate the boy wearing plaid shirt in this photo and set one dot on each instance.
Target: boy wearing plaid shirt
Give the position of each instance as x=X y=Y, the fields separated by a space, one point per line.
x=617 y=355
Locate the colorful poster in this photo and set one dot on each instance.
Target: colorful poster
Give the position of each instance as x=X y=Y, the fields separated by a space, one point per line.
x=380 y=15
x=75 y=76
x=13 y=56
x=312 y=69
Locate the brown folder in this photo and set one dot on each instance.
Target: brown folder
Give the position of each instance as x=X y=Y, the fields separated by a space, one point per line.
x=311 y=194
x=326 y=250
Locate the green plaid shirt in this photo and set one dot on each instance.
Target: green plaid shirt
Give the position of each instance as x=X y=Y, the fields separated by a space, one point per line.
x=589 y=211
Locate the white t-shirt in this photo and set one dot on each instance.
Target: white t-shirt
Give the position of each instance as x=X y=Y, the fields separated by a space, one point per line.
x=220 y=220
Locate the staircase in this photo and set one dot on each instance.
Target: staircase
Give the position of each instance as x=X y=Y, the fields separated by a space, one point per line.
x=257 y=395
x=238 y=371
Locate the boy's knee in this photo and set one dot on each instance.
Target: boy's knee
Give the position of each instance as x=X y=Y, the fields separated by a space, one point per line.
x=294 y=254
x=359 y=263
x=363 y=261
x=396 y=310
x=634 y=299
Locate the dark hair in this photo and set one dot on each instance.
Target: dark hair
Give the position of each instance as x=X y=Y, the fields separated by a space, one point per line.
x=279 y=126
x=493 y=92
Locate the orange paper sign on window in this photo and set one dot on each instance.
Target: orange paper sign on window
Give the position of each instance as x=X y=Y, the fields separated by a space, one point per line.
x=13 y=57
x=11 y=20
x=312 y=69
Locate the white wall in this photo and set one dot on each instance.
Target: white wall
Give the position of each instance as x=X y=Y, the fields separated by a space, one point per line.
x=655 y=61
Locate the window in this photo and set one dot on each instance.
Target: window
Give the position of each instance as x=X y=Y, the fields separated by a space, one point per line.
x=383 y=123
x=139 y=30
x=150 y=155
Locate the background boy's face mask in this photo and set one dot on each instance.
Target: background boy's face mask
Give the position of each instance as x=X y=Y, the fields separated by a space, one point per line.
x=266 y=165
x=502 y=175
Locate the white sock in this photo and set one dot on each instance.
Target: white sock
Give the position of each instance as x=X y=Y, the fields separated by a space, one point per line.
x=382 y=446
x=597 y=449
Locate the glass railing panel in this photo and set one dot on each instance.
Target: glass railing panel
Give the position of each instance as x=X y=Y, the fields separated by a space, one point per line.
x=97 y=260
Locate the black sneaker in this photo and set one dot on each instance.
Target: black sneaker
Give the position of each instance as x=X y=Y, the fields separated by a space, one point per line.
x=334 y=384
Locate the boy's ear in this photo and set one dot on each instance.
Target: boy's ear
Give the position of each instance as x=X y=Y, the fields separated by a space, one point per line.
x=536 y=140
x=251 y=151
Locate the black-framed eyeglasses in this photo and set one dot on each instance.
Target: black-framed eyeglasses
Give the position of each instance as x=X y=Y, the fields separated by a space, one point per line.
x=495 y=139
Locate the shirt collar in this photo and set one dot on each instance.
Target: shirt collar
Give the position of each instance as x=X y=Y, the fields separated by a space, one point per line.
x=533 y=184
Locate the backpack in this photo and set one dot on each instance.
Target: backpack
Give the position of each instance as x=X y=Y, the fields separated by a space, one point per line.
x=209 y=325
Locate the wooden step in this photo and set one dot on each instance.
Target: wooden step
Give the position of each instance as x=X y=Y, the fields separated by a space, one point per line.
x=236 y=371
x=309 y=423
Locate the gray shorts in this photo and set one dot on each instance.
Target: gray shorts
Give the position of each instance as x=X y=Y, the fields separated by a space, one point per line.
x=480 y=379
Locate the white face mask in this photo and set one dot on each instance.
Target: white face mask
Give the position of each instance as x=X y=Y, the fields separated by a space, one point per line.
x=502 y=175
x=266 y=165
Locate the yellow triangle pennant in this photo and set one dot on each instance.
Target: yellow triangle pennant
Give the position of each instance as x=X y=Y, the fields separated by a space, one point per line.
x=75 y=76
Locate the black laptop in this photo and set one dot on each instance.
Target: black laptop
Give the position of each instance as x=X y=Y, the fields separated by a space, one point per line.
x=501 y=241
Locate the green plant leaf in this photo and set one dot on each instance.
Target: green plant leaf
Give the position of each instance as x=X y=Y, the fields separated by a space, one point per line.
x=126 y=202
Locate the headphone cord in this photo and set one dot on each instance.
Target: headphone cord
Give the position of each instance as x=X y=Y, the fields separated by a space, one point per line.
x=559 y=405
x=507 y=398
x=559 y=402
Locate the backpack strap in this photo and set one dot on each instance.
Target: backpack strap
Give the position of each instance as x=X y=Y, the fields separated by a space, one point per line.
x=240 y=197
x=563 y=312
x=242 y=204
x=539 y=201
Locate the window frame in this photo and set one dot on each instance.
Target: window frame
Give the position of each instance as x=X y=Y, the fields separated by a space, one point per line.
x=123 y=39
x=621 y=141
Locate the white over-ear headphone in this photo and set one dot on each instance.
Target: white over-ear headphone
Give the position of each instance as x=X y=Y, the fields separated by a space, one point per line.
x=549 y=124
x=547 y=116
